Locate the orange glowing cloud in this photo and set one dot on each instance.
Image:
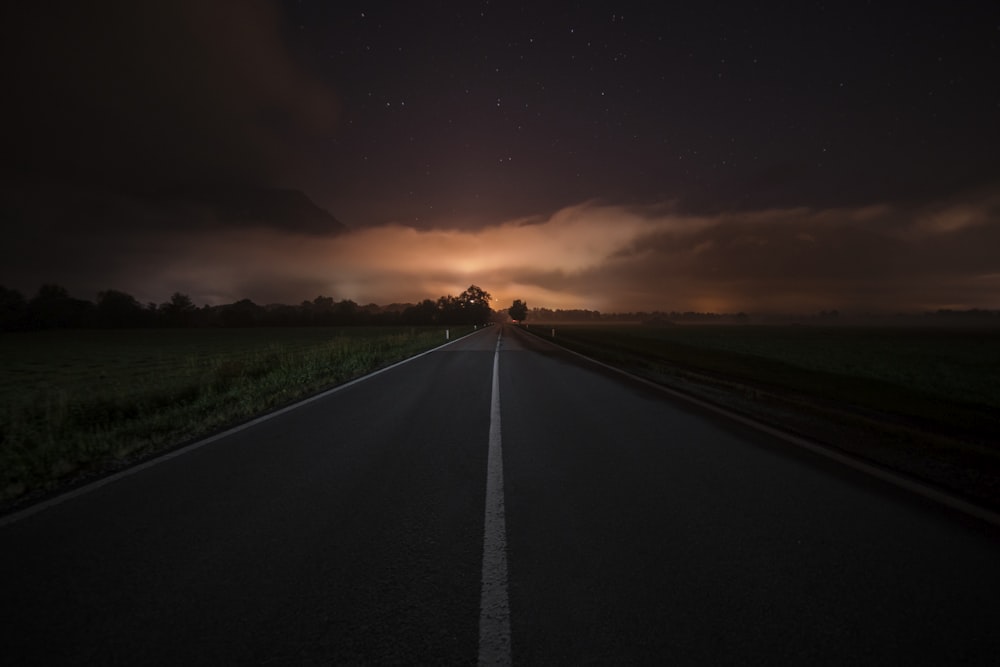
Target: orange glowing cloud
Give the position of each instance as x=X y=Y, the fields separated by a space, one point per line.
x=620 y=258
x=400 y=263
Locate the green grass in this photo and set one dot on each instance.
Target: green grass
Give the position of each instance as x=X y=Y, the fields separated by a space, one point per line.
x=923 y=401
x=951 y=363
x=952 y=366
x=74 y=403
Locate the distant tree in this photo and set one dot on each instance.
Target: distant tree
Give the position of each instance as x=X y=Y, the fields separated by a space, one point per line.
x=180 y=311
x=519 y=311
x=53 y=307
x=207 y=316
x=374 y=314
x=243 y=313
x=280 y=315
x=425 y=312
x=474 y=305
x=346 y=312
x=13 y=309
x=470 y=307
x=322 y=310
x=448 y=310
x=119 y=310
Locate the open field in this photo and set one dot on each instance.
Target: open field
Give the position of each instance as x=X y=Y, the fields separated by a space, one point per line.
x=75 y=403
x=922 y=401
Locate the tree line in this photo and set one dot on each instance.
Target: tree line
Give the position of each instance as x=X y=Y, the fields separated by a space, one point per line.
x=971 y=317
x=53 y=308
x=652 y=317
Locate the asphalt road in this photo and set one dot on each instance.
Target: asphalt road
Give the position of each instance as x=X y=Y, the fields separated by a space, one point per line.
x=350 y=530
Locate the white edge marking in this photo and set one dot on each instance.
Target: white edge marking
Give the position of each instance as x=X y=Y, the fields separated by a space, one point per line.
x=494 y=607
x=98 y=483
x=912 y=485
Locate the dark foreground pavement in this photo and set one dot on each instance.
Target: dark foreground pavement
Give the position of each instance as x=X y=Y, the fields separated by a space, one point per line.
x=350 y=531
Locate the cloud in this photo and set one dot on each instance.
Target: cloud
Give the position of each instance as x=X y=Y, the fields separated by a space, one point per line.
x=614 y=258
x=139 y=93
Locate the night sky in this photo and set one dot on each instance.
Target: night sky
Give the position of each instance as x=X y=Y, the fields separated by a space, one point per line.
x=609 y=155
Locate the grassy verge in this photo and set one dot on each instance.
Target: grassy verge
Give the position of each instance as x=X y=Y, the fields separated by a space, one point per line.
x=78 y=403
x=923 y=402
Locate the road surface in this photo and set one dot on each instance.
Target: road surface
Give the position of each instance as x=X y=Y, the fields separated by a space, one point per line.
x=635 y=529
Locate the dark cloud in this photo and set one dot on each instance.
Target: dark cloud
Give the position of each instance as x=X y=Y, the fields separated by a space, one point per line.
x=145 y=93
x=738 y=157
x=881 y=258
x=125 y=122
x=871 y=258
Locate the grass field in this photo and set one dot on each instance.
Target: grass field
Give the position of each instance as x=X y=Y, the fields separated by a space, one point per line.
x=952 y=364
x=74 y=403
x=922 y=401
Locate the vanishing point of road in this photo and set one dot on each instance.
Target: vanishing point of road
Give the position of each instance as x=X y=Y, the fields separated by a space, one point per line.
x=497 y=500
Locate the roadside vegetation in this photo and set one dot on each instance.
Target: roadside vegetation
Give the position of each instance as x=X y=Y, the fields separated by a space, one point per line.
x=52 y=307
x=922 y=401
x=75 y=403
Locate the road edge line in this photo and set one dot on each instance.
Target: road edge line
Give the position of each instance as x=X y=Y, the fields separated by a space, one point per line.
x=899 y=480
x=59 y=499
x=494 y=606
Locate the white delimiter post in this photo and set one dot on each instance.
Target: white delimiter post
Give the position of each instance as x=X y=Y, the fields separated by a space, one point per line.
x=447 y=334
x=553 y=333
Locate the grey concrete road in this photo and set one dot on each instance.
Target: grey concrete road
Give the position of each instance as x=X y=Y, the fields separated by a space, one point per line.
x=643 y=532
x=638 y=530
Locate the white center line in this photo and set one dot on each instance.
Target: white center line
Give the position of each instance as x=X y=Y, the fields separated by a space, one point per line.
x=494 y=610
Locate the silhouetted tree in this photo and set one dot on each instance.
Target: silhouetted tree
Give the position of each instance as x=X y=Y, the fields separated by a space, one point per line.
x=13 y=310
x=447 y=310
x=243 y=313
x=373 y=314
x=180 y=311
x=519 y=311
x=474 y=306
x=53 y=307
x=470 y=307
x=119 y=310
x=425 y=312
x=346 y=312
x=279 y=315
x=321 y=311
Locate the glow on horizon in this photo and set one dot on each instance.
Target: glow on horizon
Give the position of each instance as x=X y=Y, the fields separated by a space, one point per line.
x=616 y=258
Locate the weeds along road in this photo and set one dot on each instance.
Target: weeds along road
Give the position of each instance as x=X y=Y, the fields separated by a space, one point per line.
x=351 y=530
